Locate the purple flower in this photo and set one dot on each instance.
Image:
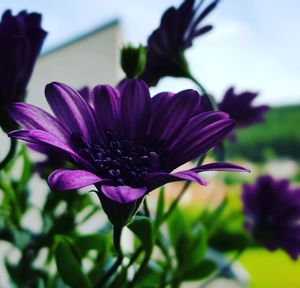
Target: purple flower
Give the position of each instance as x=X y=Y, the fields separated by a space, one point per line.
x=124 y=141
x=166 y=45
x=239 y=107
x=51 y=161
x=272 y=211
x=21 y=39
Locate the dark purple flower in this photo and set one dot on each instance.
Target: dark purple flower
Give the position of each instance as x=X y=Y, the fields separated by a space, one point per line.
x=124 y=141
x=166 y=45
x=21 y=39
x=51 y=161
x=272 y=211
x=239 y=107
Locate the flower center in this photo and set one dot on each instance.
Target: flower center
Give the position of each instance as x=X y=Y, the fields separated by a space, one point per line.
x=125 y=162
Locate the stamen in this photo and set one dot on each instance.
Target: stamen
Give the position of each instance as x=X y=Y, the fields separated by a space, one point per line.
x=121 y=160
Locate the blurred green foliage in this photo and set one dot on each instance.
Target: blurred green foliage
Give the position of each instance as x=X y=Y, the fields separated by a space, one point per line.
x=272 y=138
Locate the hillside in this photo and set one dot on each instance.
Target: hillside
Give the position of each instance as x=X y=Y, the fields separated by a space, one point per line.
x=279 y=136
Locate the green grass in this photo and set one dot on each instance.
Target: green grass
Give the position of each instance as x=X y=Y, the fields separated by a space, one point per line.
x=271 y=270
x=279 y=135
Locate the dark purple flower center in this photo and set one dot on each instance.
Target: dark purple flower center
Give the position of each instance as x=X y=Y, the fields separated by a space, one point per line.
x=124 y=161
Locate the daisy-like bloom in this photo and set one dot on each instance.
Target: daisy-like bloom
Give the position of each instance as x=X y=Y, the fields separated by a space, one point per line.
x=21 y=39
x=272 y=211
x=166 y=45
x=123 y=141
x=240 y=108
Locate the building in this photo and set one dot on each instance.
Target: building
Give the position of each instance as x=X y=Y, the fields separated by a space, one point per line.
x=88 y=60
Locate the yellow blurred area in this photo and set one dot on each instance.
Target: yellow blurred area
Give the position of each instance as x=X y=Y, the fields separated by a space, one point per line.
x=271 y=269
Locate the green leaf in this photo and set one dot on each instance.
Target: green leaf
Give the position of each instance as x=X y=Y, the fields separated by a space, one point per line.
x=21 y=238
x=120 y=279
x=142 y=227
x=212 y=218
x=151 y=277
x=163 y=245
x=200 y=271
x=97 y=242
x=160 y=207
x=199 y=243
x=68 y=263
x=225 y=240
x=177 y=227
x=26 y=170
x=191 y=248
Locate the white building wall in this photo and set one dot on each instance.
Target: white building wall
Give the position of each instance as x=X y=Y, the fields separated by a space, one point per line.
x=90 y=60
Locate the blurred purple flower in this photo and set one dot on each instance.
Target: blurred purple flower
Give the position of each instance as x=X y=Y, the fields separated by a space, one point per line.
x=272 y=211
x=124 y=142
x=21 y=39
x=166 y=45
x=239 y=107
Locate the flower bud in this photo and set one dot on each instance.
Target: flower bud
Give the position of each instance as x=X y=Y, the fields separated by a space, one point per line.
x=133 y=60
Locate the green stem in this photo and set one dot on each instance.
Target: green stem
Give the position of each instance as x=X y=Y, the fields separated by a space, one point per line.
x=167 y=214
x=117 y=243
x=10 y=154
x=140 y=271
x=224 y=268
x=202 y=89
x=182 y=192
x=175 y=202
x=134 y=256
x=146 y=208
x=210 y=98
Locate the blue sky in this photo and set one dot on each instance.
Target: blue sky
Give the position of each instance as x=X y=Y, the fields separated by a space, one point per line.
x=255 y=44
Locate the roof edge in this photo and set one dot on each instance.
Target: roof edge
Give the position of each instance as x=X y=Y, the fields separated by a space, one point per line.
x=81 y=37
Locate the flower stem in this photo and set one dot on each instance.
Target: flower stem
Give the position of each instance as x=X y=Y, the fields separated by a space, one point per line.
x=202 y=89
x=117 y=232
x=146 y=208
x=134 y=256
x=224 y=268
x=182 y=192
x=210 y=98
x=174 y=204
x=10 y=154
x=140 y=271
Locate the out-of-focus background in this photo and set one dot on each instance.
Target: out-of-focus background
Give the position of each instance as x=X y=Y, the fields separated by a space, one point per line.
x=254 y=46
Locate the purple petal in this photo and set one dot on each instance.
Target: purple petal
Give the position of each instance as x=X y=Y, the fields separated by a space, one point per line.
x=195 y=127
x=64 y=179
x=220 y=166
x=197 y=139
x=170 y=113
x=205 y=12
x=71 y=109
x=123 y=194
x=85 y=93
x=33 y=118
x=209 y=139
x=155 y=180
x=135 y=108
x=43 y=138
x=159 y=104
x=107 y=105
